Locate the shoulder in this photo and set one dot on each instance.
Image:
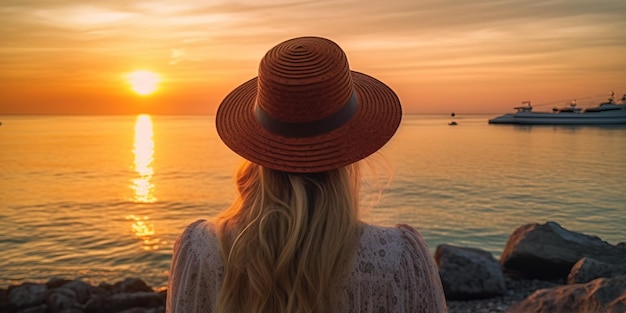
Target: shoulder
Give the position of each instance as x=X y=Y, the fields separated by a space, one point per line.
x=199 y=238
x=388 y=246
x=195 y=230
x=394 y=263
x=392 y=247
x=400 y=236
x=387 y=255
x=410 y=235
x=196 y=269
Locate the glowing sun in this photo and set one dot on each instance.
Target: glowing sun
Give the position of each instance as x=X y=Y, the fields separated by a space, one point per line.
x=143 y=82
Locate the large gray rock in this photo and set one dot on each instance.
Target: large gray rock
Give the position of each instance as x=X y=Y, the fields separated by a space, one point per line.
x=83 y=290
x=469 y=273
x=588 y=269
x=70 y=295
x=27 y=295
x=603 y=295
x=56 y=282
x=548 y=251
x=61 y=299
x=130 y=285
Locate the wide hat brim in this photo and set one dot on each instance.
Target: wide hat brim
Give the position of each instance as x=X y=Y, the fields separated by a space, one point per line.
x=374 y=122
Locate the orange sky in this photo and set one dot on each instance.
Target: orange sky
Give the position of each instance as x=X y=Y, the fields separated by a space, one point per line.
x=73 y=57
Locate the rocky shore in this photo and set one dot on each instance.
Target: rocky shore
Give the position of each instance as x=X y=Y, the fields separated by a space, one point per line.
x=517 y=290
x=543 y=268
x=132 y=295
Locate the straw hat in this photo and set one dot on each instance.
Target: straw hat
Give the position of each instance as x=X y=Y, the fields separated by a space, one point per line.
x=307 y=111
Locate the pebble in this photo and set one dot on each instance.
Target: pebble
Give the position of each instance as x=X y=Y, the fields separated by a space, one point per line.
x=517 y=290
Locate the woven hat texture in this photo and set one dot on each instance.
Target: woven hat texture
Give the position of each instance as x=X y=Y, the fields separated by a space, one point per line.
x=307 y=111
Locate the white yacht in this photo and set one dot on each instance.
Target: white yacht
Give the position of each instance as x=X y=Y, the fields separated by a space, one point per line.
x=607 y=113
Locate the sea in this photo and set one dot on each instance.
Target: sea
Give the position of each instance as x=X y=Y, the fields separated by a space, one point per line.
x=103 y=198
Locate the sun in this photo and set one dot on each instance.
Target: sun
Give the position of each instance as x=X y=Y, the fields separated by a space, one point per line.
x=143 y=82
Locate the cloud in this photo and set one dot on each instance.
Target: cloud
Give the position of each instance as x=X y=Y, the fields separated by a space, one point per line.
x=442 y=40
x=180 y=55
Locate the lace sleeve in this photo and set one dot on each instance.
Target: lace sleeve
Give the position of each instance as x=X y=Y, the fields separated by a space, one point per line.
x=194 y=274
x=420 y=274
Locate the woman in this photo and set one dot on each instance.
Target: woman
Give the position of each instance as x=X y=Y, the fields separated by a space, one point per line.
x=292 y=240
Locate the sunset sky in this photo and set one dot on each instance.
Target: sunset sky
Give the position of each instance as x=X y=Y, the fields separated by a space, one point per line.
x=466 y=56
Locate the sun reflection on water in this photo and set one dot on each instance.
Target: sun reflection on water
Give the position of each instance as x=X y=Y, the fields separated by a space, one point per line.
x=142 y=185
x=144 y=155
x=144 y=230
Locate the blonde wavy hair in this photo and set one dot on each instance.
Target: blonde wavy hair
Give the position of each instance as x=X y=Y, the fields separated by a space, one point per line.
x=287 y=239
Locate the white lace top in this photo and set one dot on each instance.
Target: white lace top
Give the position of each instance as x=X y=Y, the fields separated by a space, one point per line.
x=392 y=272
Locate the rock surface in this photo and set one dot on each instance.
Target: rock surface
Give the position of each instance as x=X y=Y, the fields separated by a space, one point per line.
x=132 y=295
x=517 y=290
x=601 y=295
x=469 y=273
x=124 y=301
x=27 y=295
x=548 y=251
x=588 y=269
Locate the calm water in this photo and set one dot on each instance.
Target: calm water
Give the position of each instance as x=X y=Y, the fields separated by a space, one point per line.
x=103 y=198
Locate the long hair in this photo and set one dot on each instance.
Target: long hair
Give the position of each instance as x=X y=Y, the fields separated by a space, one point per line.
x=287 y=239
